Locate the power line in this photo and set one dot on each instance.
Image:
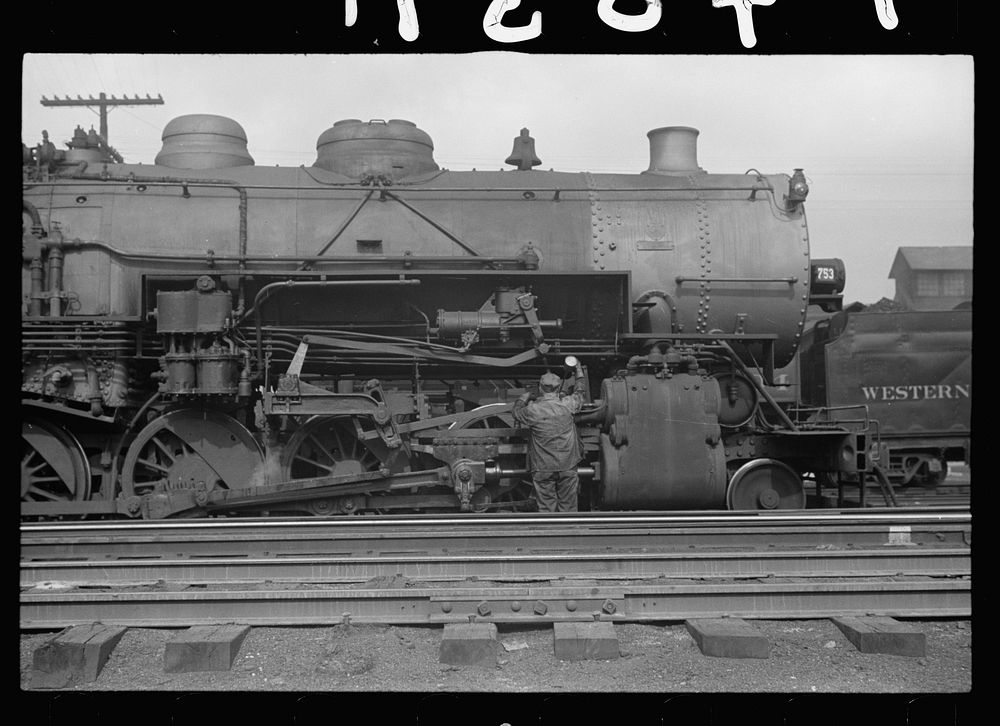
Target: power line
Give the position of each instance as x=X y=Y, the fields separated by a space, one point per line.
x=103 y=102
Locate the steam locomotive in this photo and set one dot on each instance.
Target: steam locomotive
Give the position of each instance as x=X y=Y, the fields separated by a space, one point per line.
x=206 y=337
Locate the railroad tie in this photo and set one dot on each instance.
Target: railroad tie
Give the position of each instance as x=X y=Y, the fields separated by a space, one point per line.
x=728 y=638
x=882 y=635
x=204 y=648
x=74 y=655
x=473 y=644
x=585 y=641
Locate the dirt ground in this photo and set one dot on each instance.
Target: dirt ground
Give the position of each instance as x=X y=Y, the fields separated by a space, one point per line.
x=657 y=663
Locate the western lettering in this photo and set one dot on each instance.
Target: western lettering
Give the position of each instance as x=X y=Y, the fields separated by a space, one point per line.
x=917 y=392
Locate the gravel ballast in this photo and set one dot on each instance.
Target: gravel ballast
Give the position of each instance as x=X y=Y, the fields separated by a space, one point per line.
x=806 y=656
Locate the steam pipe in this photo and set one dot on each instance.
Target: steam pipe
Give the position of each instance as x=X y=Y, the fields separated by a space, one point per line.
x=353 y=186
x=405 y=260
x=184 y=184
x=37 y=288
x=96 y=408
x=55 y=282
x=265 y=292
x=760 y=389
x=32 y=210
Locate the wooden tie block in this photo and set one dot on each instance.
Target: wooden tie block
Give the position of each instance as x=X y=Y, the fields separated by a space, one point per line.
x=469 y=644
x=728 y=638
x=585 y=641
x=883 y=635
x=204 y=648
x=74 y=655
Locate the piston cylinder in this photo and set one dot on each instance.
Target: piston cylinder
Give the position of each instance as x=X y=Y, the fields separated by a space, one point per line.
x=218 y=371
x=661 y=443
x=180 y=373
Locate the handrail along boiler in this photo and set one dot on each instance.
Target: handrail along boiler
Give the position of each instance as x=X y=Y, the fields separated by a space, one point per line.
x=206 y=336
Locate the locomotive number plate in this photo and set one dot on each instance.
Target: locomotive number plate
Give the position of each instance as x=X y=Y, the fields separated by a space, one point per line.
x=654 y=244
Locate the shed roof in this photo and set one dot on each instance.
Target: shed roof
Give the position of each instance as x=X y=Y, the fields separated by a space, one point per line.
x=932 y=258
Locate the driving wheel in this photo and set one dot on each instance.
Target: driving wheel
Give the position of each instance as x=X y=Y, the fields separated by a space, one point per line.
x=54 y=467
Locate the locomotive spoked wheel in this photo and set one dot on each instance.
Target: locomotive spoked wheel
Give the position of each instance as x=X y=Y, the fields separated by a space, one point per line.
x=514 y=496
x=924 y=476
x=326 y=446
x=192 y=448
x=488 y=416
x=765 y=484
x=54 y=466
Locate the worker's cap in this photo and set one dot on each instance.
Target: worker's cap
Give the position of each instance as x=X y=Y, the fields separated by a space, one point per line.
x=549 y=381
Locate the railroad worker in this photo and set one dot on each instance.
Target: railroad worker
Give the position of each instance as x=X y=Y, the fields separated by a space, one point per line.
x=45 y=152
x=554 y=447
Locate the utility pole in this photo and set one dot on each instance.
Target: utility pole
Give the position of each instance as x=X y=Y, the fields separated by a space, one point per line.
x=103 y=102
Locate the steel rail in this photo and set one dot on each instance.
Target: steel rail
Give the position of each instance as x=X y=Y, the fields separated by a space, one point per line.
x=331 y=542
x=356 y=536
x=389 y=521
x=667 y=600
x=446 y=569
x=634 y=565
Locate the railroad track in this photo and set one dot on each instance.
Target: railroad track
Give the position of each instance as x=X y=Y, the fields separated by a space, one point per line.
x=499 y=568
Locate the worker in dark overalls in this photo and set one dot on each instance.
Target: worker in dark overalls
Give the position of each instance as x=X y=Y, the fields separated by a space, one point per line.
x=554 y=447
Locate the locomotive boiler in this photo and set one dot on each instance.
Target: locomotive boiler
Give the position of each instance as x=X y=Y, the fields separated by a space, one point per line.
x=204 y=336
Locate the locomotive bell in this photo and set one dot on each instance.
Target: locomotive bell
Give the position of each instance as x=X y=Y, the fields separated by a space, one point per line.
x=523 y=154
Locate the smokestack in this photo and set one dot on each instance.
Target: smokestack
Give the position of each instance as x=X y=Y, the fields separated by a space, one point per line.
x=673 y=150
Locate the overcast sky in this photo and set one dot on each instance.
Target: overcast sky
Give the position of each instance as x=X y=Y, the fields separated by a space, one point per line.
x=886 y=142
